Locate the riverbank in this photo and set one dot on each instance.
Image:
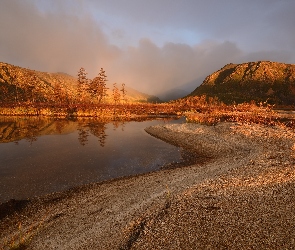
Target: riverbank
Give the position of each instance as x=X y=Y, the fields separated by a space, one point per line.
x=239 y=196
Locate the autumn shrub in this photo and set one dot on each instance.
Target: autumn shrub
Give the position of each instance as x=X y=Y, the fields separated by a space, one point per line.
x=200 y=109
x=245 y=113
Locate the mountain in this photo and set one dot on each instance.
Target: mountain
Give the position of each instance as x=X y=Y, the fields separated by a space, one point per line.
x=258 y=81
x=19 y=84
x=137 y=96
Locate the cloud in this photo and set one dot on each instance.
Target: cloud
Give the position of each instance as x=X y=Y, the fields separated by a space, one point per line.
x=249 y=22
x=51 y=41
x=65 y=35
x=152 y=68
x=264 y=55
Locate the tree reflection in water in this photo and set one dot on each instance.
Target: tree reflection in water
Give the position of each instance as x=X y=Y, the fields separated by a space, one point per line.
x=83 y=135
x=14 y=129
x=60 y=125
x=117 y=124
x=98 y=130
x=75 y=152
x=94 y=127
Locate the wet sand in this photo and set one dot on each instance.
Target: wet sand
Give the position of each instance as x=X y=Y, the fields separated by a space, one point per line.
x=240 y=195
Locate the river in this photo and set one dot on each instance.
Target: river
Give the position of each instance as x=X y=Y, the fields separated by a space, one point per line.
x=40 y=156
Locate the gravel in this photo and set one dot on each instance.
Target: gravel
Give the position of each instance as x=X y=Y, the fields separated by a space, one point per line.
x=238 y=195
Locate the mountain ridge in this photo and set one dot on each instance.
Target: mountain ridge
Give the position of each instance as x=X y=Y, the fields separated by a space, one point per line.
x=258 y=81
x=15 y=82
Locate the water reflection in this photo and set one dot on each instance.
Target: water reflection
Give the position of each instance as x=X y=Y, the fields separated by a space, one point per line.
x=39 y=156
x=95 y=128
x=83 y=135
x=14 y=129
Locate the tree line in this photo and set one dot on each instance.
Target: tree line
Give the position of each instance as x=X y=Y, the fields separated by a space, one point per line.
x=95 y=91
x=24 y=86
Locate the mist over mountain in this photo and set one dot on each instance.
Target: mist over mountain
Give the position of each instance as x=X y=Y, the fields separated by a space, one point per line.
x=175 y=93
x=273 y=82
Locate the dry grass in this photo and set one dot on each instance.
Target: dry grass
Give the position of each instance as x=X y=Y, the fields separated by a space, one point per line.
x=200 y=109
x=213 y=112
x=21 y=238
x=88 y=110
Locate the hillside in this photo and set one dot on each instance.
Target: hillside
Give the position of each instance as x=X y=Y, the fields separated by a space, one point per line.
x=19 y=84
x=258 y=81
x=136 y=96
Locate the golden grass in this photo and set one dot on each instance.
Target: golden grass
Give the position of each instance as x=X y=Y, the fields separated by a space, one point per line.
x=199 y=109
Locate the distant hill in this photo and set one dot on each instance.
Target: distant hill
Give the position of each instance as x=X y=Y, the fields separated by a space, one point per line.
x=258 y=81
x=173 y=94
x=179 y=91
x=137 y=96
x=21 y=84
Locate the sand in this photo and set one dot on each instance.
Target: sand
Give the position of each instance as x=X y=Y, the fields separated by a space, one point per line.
x=238 y=195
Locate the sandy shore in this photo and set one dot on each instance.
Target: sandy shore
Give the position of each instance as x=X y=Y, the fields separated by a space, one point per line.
x=239 y=196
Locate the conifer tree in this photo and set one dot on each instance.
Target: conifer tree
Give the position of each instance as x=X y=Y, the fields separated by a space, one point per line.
x=123 y=92
x=97 y=87
x=58 y=93
x=4 y=93
x=82 y=84
x=31 y=87
x=103 y=84
x=13 y=80
x=94 y=87
x=116 y=94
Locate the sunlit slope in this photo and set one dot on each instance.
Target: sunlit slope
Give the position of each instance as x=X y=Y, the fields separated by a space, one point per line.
x=258 y=81
x=19 y=84
x=136 y=96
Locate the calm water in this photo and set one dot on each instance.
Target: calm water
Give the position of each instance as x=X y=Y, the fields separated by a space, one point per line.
x=40 y=156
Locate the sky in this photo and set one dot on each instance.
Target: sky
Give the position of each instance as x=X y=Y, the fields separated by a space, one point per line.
x=150 y=45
